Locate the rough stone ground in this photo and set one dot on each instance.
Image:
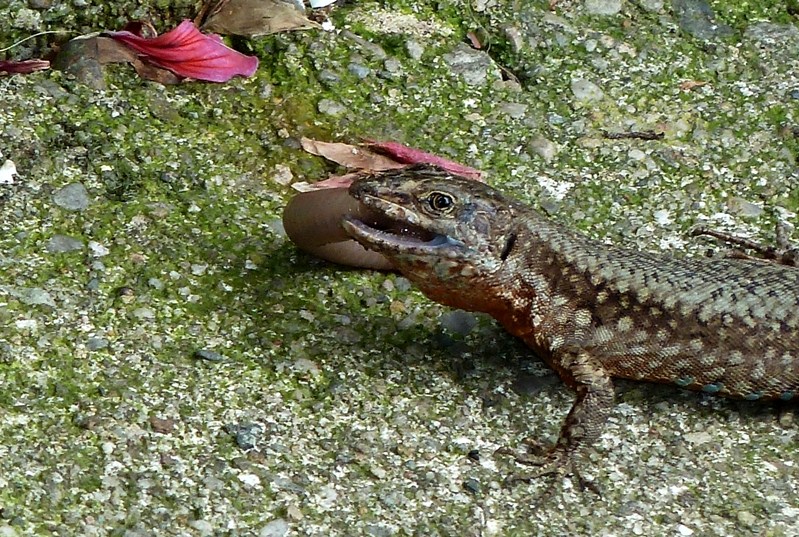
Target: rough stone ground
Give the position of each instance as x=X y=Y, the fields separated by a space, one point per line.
x=171 y=365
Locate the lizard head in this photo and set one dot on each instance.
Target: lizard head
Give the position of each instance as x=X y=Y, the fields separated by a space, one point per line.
x=448 y=234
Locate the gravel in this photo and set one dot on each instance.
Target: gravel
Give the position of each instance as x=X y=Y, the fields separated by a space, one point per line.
x=143 y=224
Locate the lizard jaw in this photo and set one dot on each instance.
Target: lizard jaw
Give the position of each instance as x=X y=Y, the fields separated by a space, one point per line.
x=390 y=241
x=402 y=235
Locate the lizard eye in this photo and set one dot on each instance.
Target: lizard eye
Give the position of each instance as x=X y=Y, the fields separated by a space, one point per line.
x=440 y=202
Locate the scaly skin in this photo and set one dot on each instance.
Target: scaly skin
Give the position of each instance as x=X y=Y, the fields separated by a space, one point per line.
x=591 y=311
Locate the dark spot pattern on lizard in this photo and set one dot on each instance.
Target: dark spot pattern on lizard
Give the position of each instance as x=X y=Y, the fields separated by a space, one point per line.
x=593 y=312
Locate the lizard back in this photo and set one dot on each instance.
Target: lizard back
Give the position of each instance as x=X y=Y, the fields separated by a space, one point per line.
x=725 y=326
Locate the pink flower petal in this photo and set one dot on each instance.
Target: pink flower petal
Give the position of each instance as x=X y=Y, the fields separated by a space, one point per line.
x=187 y=52
x=24 y=66
x=410 y=155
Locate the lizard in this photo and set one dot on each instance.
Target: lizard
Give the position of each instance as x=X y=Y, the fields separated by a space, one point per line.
x=593 y=312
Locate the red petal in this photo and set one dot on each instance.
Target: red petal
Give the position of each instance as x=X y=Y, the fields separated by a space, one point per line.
x=410 y=155
x=24 y=66
x=187 y=52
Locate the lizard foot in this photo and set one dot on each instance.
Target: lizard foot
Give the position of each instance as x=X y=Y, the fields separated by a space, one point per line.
x=782 y=254
x=553 y=464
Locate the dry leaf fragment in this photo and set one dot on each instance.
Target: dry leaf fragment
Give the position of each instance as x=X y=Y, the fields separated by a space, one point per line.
x=688 y=85
x=349 y=155
x=251 y=18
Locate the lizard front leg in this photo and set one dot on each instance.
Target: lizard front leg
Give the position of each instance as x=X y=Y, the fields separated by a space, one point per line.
x=583 y=425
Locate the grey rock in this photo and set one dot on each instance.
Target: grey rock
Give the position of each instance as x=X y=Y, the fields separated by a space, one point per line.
x=514 y=110
x=31 y=296
x=331 y=107
x=392 y=65
x=459 y=321
x=586 y=91
x=144 y=313
x=743 y=207
x=211 y=356
x=276 y=528
x=77 y=58
x=543 y=148
x=603 y=7
x=515 y=38
x=379 y=530
x=365 y=45
x=414 y=49
x=472 y=486
x=697 y=19
x=402 y=285
x=73 y=197
x=247 y=435
x=771 y=35
x=203 y=527
x=98 y=250
x=97 y=343
x=655 y=6
x=59 y=244
x=328 y=77
x=8 y=531
x=474 y=66
x=360 y=71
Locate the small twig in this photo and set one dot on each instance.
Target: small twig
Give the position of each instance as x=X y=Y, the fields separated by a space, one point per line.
x=9 y=47
x=639 y=135
x=782 y=254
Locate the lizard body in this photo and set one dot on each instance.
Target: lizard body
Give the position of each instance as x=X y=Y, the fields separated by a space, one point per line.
x=591 y=311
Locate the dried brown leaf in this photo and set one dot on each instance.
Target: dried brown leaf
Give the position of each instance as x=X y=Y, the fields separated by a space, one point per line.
x=252 y=18
x=349 y=155
x=688 y=85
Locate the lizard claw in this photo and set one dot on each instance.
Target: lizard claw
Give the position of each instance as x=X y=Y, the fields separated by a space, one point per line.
x=554 y=464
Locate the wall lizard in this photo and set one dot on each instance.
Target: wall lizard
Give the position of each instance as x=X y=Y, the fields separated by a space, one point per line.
x=592 y=311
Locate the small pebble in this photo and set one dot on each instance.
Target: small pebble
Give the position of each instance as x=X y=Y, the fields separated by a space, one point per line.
x=162 y=425
x=475 y=66
x=60 y=244
x=72 y=197
x=331 y=108
x=246 y=435
x=544 y=148
x=211 y=356
x=459 y=322
x=471 y=486
x=586 y=91
x=414 y=49
x=276 y=528
x=97 y=343
x=360 y=71
x=603 y=7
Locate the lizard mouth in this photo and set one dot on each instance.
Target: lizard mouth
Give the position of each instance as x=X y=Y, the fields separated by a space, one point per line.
x=395 y=228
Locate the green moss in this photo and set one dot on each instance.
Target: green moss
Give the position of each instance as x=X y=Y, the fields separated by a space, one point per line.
x=739 y=14
x=182 y=198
